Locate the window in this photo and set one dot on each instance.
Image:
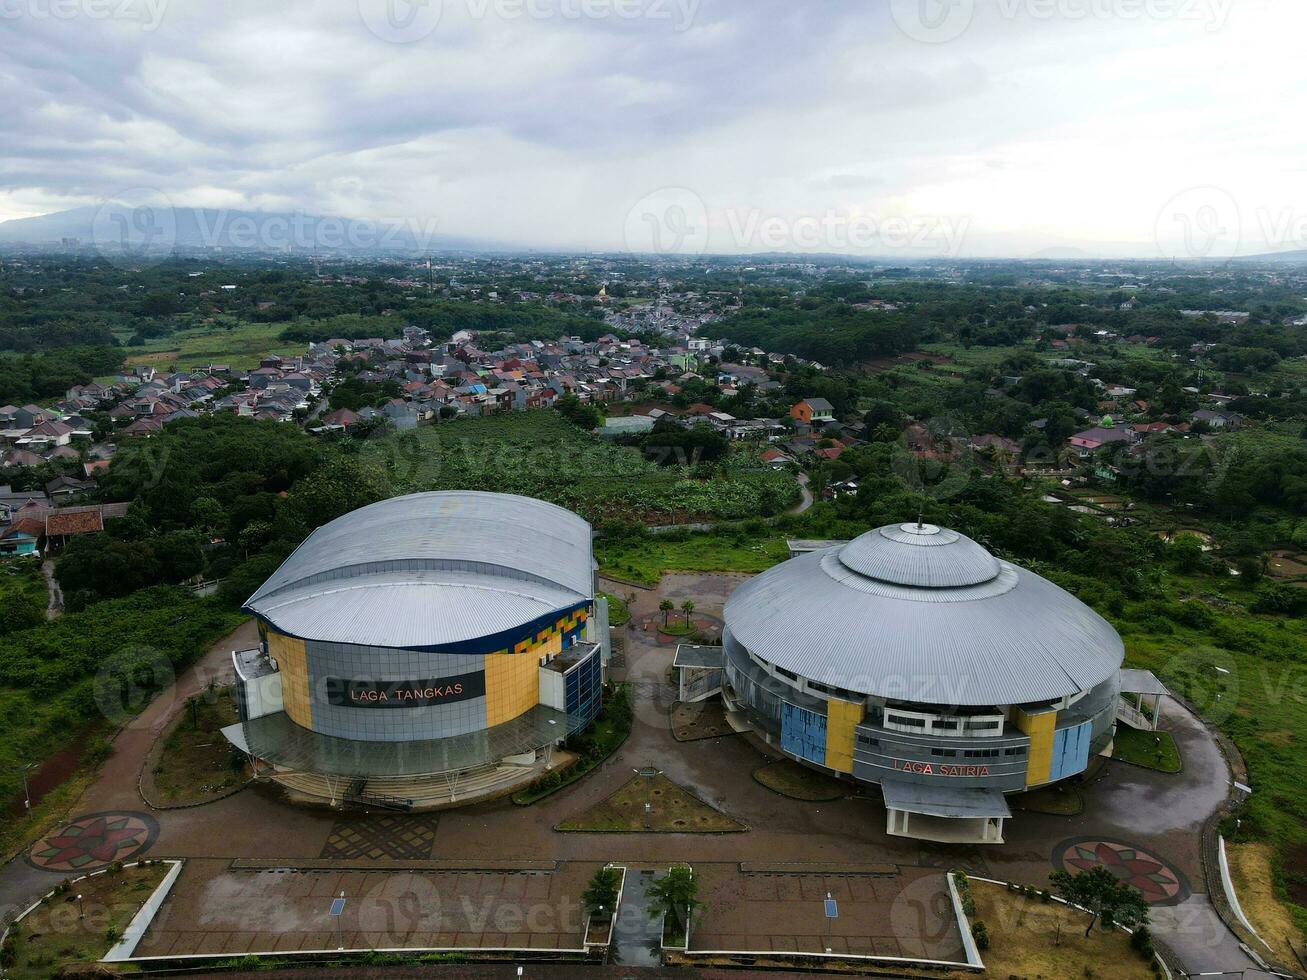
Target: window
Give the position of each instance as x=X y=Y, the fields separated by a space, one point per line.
x=904 y=720
x=1019 y=750
x=981 y=753
x=983 y=726
x=946 y=753
x=947 y=725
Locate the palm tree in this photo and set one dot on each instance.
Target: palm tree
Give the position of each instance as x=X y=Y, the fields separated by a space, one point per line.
x=687 y=607
x=675 y=896
x=666 y=607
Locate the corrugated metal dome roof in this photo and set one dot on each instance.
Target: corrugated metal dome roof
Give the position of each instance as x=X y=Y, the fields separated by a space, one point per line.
x=923 y=614
x=431 y=569
x=921 y=555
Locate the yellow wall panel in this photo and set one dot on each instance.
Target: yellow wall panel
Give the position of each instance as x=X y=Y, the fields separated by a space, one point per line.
x=1040 y=727
x=842 y=717
x=512 y=685
x=294 y=666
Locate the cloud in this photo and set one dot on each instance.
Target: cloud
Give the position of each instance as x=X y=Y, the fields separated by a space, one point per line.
x=544 y=121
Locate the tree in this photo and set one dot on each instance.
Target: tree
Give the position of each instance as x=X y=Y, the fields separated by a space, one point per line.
x=687 y=607
x=1103 y=895
x=666 y=607
x=674 y=895
x=600 y=896
x=1186 y=552
x=577 y=412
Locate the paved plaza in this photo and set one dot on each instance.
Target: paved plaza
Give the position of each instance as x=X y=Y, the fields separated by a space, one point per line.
x=215 y=909
x=1127 y=809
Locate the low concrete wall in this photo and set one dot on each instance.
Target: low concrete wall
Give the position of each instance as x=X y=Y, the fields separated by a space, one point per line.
x=125 y=947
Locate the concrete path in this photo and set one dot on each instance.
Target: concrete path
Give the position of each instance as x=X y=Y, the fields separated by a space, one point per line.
x=806 y=502
x=55 y=606
x=637 y=938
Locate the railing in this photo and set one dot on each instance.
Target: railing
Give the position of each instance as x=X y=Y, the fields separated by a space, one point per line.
x=1132 y=716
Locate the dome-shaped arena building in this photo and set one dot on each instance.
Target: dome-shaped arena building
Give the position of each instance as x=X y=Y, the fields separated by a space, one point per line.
x=424 y=651
x=912 y=658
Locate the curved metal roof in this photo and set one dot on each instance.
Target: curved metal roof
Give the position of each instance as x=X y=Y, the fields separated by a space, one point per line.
x=926 y=615
x=919 y=555
x=431 y=569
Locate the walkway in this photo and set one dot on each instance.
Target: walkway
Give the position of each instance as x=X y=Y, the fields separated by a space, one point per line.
x=55 y=606
x=806 y=502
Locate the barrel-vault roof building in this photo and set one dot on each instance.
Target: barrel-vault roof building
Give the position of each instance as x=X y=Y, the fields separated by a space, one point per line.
x=424 y=650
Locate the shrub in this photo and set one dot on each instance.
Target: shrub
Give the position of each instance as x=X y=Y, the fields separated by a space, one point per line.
x=980 y=933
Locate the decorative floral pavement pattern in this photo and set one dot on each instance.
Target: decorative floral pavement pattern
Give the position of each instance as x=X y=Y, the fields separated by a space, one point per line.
x=94 y=841
x=1159 y=883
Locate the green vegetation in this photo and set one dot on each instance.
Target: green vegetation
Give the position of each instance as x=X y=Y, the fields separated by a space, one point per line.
x=643 y=558
x=197 y=763
x=90 y=670
x=674 y=898
x=602 y=738
x=1034 y=938
x=39 y=377
x=619 y=614
x=23 y=594
x=1153 y=750
x=600 y=896
x=1104 y=896
x=65 y=932
x=541 y=454
x=218 y=340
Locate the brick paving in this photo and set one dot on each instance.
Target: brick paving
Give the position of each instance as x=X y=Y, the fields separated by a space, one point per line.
x=215 y=909
x=904 y=915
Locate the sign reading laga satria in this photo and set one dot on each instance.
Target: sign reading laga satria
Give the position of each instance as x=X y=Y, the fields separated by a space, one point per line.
x=347 y=693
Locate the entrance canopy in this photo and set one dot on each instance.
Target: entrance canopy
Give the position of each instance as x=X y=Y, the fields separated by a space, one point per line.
x=1141 y=682
x=950 y=802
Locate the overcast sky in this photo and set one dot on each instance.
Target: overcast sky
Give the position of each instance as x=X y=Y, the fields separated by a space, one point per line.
x=933 y=126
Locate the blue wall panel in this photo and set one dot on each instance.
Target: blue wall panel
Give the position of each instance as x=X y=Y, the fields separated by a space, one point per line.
x=803 y=733
x=1070 y=751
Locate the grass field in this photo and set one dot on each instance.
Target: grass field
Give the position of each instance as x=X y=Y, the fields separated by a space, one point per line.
x=63 y=931
x=1153 y=750
x=644 y=560
x=237 y=344
x=540 y=454
x=1254 y=884
x=197 y=760
x=652 y=804
x=798 y=782
x=1031 y=939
